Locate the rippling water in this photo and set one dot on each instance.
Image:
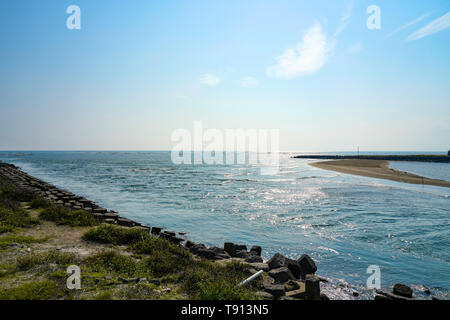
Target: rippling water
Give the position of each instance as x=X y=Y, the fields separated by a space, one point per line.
x=346 y=223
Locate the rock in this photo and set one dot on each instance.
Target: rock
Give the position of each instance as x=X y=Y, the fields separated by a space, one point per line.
x=125 y=222
x=281 y=275
x=291 y=285
x=260 y=266
x=380 y=297
x=324 y=297
x=294 y=266
x=355 y=294
x=391 y=296
x=232 y=248
x=139 y=280
x=205 y=253
x=156 y=230
x=424 y=289
x=189 y=244
x=218 y=250
x=402 y=290
x=242 y=254
x=222 y=256
x=257 y=250
x=170 y=233
x=297 y=294
x=123 y=280
x=307 y=265
x=155 y=281
x=14 y=245
x=264 y=295
x=286 y=298
x=277 y=261
x=277 y=290
x=312 y=284
x=96 y=210
x=253 y=258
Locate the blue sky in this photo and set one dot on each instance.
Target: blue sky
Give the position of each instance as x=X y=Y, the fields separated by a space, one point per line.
x=138 y=70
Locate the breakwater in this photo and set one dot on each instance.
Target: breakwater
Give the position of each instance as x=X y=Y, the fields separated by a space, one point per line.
x=420 y=158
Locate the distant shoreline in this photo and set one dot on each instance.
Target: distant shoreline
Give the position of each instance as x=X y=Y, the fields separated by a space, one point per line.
x=377 y=169
x=420 y=157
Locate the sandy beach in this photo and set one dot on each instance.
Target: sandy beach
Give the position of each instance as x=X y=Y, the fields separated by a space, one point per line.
x=377 y=169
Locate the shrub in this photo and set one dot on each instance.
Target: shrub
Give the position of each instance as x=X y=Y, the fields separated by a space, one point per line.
x=7 y=240
x=113 y=262
x=65 y=216
x=9 y=219
x=164 y=257
x=54 y=256
x=39 y=202
x=220 y=289
x=37 y=290
x=205 y=280
x=116 y=235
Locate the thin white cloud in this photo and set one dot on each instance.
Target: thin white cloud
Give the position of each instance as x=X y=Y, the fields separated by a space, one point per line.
x=345 y=19
x=356 y=48
x=307 y=57
x=249 y=82
x=409 y=24
x=433 y=27
x=209 y=80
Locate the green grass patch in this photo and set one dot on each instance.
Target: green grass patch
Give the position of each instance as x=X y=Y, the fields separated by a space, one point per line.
x=6 y=241
x=205 y=280
x=110 y=234
x=39 y=203
x=105 y=295
x=13 y=219
x=63 y=259
x=36 y=290
x=64 y=216
x=113 y=262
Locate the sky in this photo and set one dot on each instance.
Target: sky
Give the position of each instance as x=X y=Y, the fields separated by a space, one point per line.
x=136 y=71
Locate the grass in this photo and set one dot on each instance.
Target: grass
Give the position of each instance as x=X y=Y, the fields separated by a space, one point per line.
x=12 y=215
x=65 y=216
x=199 y=279
x=6 y=241
x=36 y=290
x=63 y=259
x=110 y=234
x=39 y=203
x=113 y=262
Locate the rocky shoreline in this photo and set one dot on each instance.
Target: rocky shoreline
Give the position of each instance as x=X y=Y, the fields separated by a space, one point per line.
x=286 y=279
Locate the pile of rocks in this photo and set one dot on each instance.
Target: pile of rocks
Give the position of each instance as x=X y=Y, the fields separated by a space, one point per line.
x=399 y=292
x=61 y=197
x=292 y=279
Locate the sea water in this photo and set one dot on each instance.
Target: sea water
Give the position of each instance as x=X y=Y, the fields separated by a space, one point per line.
x=345 y=223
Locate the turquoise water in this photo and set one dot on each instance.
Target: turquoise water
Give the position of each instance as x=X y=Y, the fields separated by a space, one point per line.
x=346 y=223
